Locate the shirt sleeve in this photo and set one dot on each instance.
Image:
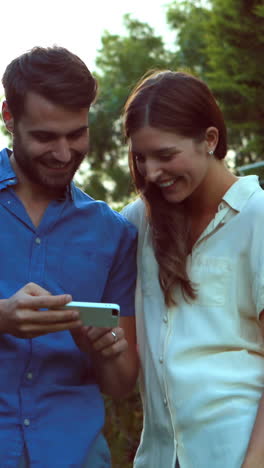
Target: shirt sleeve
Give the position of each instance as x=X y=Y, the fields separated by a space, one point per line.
x=256 y=250
x=120 y=287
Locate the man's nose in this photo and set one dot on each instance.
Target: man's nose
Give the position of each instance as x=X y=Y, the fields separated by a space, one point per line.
x=62 y=151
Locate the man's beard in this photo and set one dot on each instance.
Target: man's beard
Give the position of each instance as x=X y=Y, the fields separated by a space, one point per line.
x=35 y=172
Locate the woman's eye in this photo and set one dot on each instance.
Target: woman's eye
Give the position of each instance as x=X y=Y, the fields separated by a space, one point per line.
x=139 y=158
x=167 y=157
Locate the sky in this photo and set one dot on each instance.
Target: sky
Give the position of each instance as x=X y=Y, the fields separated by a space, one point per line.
x=76 y=24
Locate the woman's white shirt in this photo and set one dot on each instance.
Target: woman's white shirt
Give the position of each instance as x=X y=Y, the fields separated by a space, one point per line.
x=203 y=362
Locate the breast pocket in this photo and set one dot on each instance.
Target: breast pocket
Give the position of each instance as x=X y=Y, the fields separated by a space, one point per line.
x=211 y=276
x=79 y=271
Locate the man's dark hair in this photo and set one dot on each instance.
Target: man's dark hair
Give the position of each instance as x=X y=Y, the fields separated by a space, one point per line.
x=53 y=72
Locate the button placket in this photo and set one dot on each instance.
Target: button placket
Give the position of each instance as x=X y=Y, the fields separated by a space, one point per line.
x=37 y=263
x=165 y=320
x=165 y=328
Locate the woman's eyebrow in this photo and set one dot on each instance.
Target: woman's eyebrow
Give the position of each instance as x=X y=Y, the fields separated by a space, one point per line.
x=166 y=150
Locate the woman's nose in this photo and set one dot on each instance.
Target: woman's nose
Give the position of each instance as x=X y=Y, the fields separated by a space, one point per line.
x=152 y=171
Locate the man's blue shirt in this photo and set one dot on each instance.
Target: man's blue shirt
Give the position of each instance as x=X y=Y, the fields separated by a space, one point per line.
x=49 y=398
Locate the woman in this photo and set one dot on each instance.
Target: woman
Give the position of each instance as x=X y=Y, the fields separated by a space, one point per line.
x=200 y=289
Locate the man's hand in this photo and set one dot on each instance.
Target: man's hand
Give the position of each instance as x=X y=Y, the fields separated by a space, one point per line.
x=20 y=315
x=105 y=342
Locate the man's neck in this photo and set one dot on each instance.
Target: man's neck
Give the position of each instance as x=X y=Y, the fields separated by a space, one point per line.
x=27 y=189
x=34 y=197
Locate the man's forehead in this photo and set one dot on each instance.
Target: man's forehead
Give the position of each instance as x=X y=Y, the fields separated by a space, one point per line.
x=37 y=103
x=41 y=115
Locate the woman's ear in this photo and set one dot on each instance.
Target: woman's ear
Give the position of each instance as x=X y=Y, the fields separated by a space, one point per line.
x=211 y=138
x=7 y=117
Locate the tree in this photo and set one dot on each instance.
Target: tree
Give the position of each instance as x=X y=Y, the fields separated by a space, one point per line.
x=121 y=62
x=235 y=51
x=223 y=43
x=189 y=20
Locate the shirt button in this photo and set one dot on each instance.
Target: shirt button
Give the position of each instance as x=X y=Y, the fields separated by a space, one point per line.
x=165 y=402
x=161 y=359
x=26 y=422
x=38 y=240
x=165 y=319
x=29 y=376
x=8 y=202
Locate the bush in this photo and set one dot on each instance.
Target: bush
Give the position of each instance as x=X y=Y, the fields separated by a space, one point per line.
x=122 y=428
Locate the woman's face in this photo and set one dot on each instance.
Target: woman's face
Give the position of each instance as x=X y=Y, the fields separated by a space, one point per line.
x=176 y=164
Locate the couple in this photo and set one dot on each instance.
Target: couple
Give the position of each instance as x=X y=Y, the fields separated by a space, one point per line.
x=200 y=282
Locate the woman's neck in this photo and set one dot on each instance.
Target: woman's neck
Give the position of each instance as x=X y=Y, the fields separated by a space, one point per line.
x=206 y=198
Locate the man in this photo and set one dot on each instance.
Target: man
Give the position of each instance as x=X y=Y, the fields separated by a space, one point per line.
x=57 y=244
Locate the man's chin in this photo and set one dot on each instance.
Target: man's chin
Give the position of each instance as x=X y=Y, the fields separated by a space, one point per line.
x=56 y=177
x=55 y=185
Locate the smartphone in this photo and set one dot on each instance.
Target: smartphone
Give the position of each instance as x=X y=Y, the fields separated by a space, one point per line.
x=96 y=314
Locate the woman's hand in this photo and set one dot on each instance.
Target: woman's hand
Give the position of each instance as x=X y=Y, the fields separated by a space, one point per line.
x=105 y=342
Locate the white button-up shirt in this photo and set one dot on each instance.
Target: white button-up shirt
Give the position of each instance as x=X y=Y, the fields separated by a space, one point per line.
x=203 y=362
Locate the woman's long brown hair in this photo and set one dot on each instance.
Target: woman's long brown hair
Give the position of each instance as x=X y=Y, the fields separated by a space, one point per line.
x=179 y=103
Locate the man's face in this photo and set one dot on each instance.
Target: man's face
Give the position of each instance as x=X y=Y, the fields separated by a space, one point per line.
x=49 y=142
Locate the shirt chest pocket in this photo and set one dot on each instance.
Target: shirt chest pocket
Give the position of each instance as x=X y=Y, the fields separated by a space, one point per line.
x=78 y=270
x=212 y=279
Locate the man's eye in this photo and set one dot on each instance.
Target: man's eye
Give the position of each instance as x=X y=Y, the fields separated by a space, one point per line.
x=78 y=134
x=42 y=137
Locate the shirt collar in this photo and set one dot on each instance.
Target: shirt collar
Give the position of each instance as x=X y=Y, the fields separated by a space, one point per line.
x=240 y=192
x=235 y=198
x=8 y=176
x=68 y=193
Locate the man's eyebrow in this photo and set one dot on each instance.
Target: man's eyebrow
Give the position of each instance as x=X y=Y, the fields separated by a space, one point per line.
x=52 y=134
x=42 y=132
x=78 y=130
